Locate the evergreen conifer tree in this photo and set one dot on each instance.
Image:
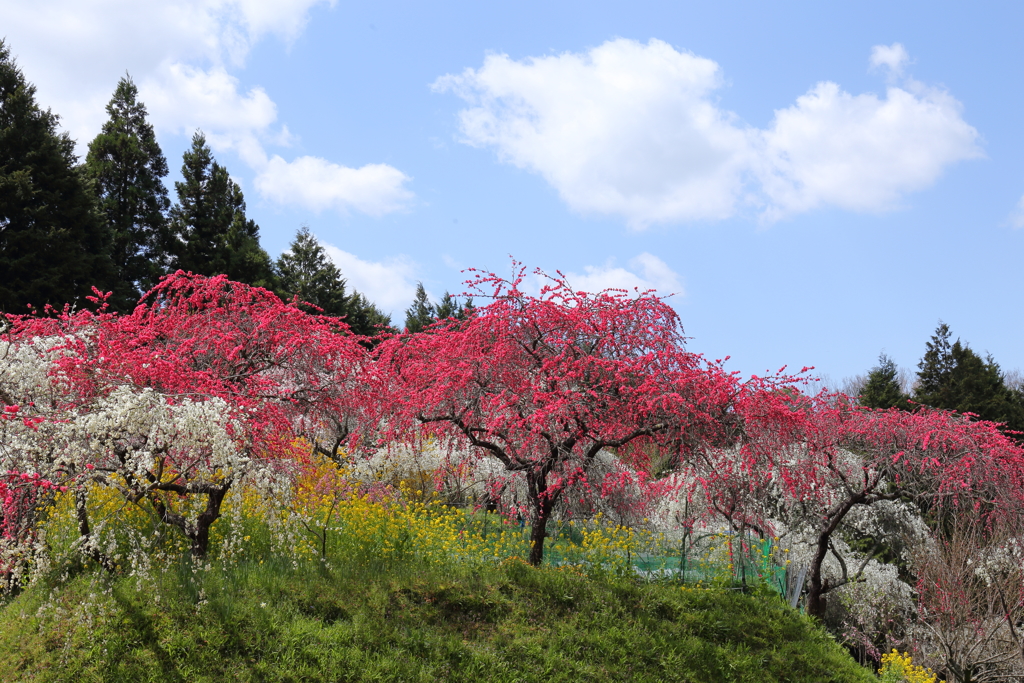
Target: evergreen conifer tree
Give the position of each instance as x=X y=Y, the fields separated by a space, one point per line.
x=126 y=167
x=935 y=368
x=305 y=271
x=954 y=377
x=247 y=261
x=422 y=313
x=54 y=246
x=365 y=318
x=882 y=388
x=466 y=311
x=210 y=234
x=449 y=307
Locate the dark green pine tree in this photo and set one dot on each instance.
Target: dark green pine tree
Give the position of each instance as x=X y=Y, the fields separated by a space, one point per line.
x=209 y=233
x=934 y=369
x=449 y=308
x=126 y=167
x=305 y=271
x=201 y=218
x=422 y=313
x=882 y=388
x=247 y=261
x=365 y=318
x=466 y=312
x=54 y=246
x=954 y=377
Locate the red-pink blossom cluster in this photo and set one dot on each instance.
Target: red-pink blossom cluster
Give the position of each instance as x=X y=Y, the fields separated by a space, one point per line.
x=205 y=377
x=541 y=384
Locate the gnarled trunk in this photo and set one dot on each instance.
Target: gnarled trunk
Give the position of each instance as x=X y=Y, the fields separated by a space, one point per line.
x=201 y=540
x=198 y=533
x=816 y=602
x=543 y=503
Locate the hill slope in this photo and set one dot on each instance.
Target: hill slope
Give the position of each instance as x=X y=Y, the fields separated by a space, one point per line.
x=512 y=623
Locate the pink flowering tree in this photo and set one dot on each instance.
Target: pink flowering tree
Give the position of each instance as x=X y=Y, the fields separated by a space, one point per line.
x=206 y=382
x=811 y=462
x=21 y=497
x=541 y=384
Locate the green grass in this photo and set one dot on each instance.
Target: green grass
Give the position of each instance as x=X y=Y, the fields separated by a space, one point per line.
x=282 y=622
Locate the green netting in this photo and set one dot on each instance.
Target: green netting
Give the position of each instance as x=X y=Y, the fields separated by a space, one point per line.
x=730 y=559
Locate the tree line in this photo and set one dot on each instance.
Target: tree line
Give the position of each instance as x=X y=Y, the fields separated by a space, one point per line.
x=66 y=227
x=951 y=376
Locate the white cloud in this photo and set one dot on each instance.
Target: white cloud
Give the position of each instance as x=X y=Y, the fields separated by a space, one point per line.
x=181 y=98
x=861 y=152
x=317 y=184
x=181 y=53
x=892 y=57
x=633 y=130
x=75 y=50
x=390 y=284
x=257 y=18
x=646 y=271
x=625 y=128
x=1017 y=215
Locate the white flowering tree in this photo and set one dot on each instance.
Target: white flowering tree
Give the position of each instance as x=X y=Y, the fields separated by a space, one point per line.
x=206 y=382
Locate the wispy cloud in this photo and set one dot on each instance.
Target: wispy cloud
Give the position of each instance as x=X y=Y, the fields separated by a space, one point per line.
x=890 y=57
x=1017 y=215
x=182 y=98
x=645 y=272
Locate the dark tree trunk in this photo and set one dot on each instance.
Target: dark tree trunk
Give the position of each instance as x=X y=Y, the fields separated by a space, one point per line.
x=816 y=602
x=543 y=503
x=199 y=533
x=537 y=533
x=201 y=540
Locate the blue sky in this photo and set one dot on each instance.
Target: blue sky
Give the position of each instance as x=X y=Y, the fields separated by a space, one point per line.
x=816 y=182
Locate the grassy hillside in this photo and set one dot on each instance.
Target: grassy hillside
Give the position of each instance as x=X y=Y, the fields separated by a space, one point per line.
x=302 y=622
